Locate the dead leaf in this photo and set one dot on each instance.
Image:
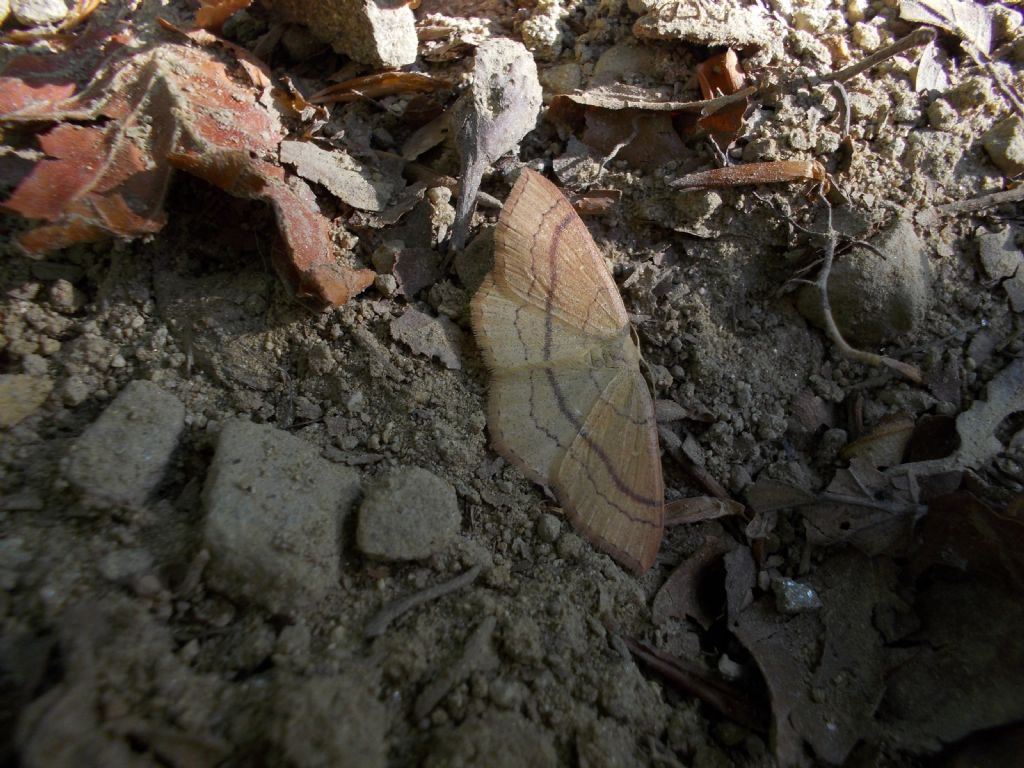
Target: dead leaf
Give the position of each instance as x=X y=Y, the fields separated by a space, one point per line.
x=693 y=680
x=416 y=269
x=254 y=68
x=498 y=109
x=596 y=202
x=963 y=533
x=774 y=172
x=774 y=641
x=427 y=136
x=977 y=426
x=767 y=495
x=291 y=101
x=615 y=96
x=934 y=437
x=700 y=508
x=931 y=69
x=963 y=672
x=884 y=445
x=967 y=20
x=851 y=667
x=307 y=263
x=83 y=10
x=645 y=140
x=377 y=85
x=824 y=670
x=355 y=183
x=213 y=13
x=684 y=592
x=862 y=507
x=721 y=75
x=110 y=155
x=429 y=336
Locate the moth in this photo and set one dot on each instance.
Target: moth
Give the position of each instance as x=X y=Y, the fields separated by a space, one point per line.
x=567 y=404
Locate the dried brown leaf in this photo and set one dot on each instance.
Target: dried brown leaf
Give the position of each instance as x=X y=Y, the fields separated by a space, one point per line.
x=213 y=13
x=962 y=532
x=968 y=20
x=884 y=445
x=767 y=495
x=863 y=508
x=681 y=594
x=721 y=75
x=700 y=508
x=378 y=85
x=597 y=202
x=83 y=10
x=645 y=140
x=773 y=172
x=730 y=700
x=124 y=109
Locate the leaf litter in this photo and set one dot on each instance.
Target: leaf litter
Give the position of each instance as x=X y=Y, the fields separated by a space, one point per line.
x=849 y=602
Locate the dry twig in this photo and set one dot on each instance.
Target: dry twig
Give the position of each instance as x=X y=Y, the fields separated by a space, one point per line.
x=380 y=622
x=832 y=330
x=916 y=38
x=976 y=204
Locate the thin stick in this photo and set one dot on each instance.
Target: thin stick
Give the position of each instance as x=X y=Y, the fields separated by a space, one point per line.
x=921 y=36
x=380 y=622
x=698 y=473
x=975 y=204
x=725 y=697
x=983 y=60
x=918 y=37
x=832 y=330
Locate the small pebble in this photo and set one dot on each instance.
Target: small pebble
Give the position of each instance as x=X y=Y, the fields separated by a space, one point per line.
x=569 y=547
x=548 y=528
x=793 y=597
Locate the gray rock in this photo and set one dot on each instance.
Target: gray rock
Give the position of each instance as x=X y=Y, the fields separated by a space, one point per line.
x=1005 y=145
x=274 y=516
x=548 y=528
x=793 y=597
x=123 y=455
x=1002 y=260
x=35 y=13
x=876 y=299
x=374 y=33
x=492 y=116
x=335 y=721
x=409 y=514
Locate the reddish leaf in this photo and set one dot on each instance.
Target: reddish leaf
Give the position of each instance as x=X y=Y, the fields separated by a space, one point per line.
x=378 y=85
x=214 y=13
x=136 y=106
x=721 y=76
